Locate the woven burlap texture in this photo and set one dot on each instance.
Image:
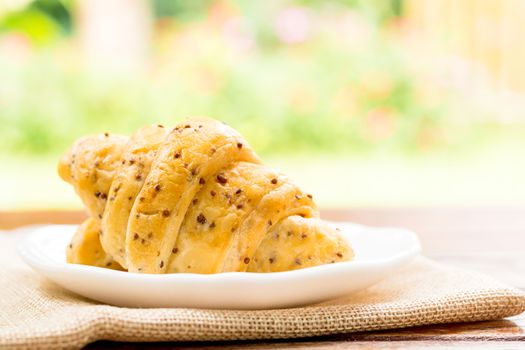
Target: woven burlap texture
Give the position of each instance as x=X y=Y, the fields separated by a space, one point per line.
x=36 y=313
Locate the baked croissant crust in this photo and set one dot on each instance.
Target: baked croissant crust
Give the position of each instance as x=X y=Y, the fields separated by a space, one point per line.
x=194 y=198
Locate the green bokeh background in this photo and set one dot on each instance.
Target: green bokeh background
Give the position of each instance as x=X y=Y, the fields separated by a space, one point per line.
x=359 y=106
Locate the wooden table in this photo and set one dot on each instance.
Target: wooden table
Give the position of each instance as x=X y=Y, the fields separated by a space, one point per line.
x=491 y=240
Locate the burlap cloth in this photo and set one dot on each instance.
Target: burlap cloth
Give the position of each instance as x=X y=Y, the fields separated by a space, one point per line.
x=36 y=313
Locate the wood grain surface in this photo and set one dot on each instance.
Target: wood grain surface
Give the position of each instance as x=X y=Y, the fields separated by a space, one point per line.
x=490 y=240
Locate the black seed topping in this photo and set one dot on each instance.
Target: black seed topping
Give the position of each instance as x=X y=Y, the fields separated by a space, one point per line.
x=175 y=250
x=161 y=264
x=195 y=201
x=177 y=155
x=274 y=181
x=166 y=213
x=213 y=193
x=238 y=191
x=202 y=181
x=221 y=179
x=201 y=219
x=239 y=145
x=309 y=196
x=212 y=225
x=246 y=260
x=157 y=187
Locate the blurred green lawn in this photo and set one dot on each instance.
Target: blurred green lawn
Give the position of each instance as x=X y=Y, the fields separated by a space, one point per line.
x=492 y=177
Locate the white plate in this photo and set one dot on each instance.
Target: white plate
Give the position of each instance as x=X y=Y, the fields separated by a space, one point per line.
x=379 y=252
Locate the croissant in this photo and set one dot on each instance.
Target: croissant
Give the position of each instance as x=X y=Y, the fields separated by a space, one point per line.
x=194 y=198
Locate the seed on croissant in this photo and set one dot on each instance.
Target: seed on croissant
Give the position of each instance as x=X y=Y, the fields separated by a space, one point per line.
x=201 y=219
x=221 y=179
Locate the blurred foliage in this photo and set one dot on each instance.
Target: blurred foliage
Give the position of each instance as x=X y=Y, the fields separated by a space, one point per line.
x=42 y=21
x=290 y=75
x=182 y=10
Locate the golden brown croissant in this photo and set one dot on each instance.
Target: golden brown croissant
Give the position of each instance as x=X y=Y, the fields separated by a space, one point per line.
x=194 y=198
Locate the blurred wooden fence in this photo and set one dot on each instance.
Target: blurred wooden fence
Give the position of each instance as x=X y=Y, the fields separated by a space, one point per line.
x=490 y=33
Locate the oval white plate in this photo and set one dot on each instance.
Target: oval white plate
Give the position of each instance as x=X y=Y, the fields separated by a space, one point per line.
x=379 y=251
